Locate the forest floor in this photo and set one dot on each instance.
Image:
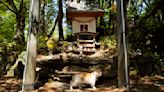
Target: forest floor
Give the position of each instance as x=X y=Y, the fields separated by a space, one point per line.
x=153 y=83
x=144 y=84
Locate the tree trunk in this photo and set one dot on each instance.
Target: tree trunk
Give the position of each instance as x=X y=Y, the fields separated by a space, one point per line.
x=31 y=52
x=20 y=20
x=122 y=48
x=20 y=25
x=60 y=18
x=43 y=31
x=110 y=17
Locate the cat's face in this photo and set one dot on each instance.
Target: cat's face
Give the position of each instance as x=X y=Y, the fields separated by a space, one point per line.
x=98 y=73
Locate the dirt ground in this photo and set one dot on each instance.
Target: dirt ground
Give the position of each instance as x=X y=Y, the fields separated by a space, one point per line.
x=154 y=83
x=144 y=84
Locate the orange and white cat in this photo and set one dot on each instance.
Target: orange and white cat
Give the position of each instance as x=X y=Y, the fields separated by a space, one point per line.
x=85 y=78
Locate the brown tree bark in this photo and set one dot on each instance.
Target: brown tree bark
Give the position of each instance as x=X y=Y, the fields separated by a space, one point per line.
x=53 y=29
x=110 y=17
x=60 y=18
x=20 y=25
x=122 y=48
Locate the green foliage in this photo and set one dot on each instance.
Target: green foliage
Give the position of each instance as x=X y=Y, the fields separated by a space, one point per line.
x=7 y=26
x=108 y=41
x=42 y=42
x=45 y=45
x=146 y=29
x=22 y=57
x=52 y=44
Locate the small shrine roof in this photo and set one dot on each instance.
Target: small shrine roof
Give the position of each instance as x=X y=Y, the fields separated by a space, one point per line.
x=82 y=9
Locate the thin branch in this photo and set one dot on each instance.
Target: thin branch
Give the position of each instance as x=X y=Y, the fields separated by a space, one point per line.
x=146 y=3
x=12 y=4
x=53 y=29
x=21 y=6
x=8 y=7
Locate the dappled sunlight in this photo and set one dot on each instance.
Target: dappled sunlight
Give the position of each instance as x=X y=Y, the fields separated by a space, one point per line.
x=11 y=84
x=149 y=83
